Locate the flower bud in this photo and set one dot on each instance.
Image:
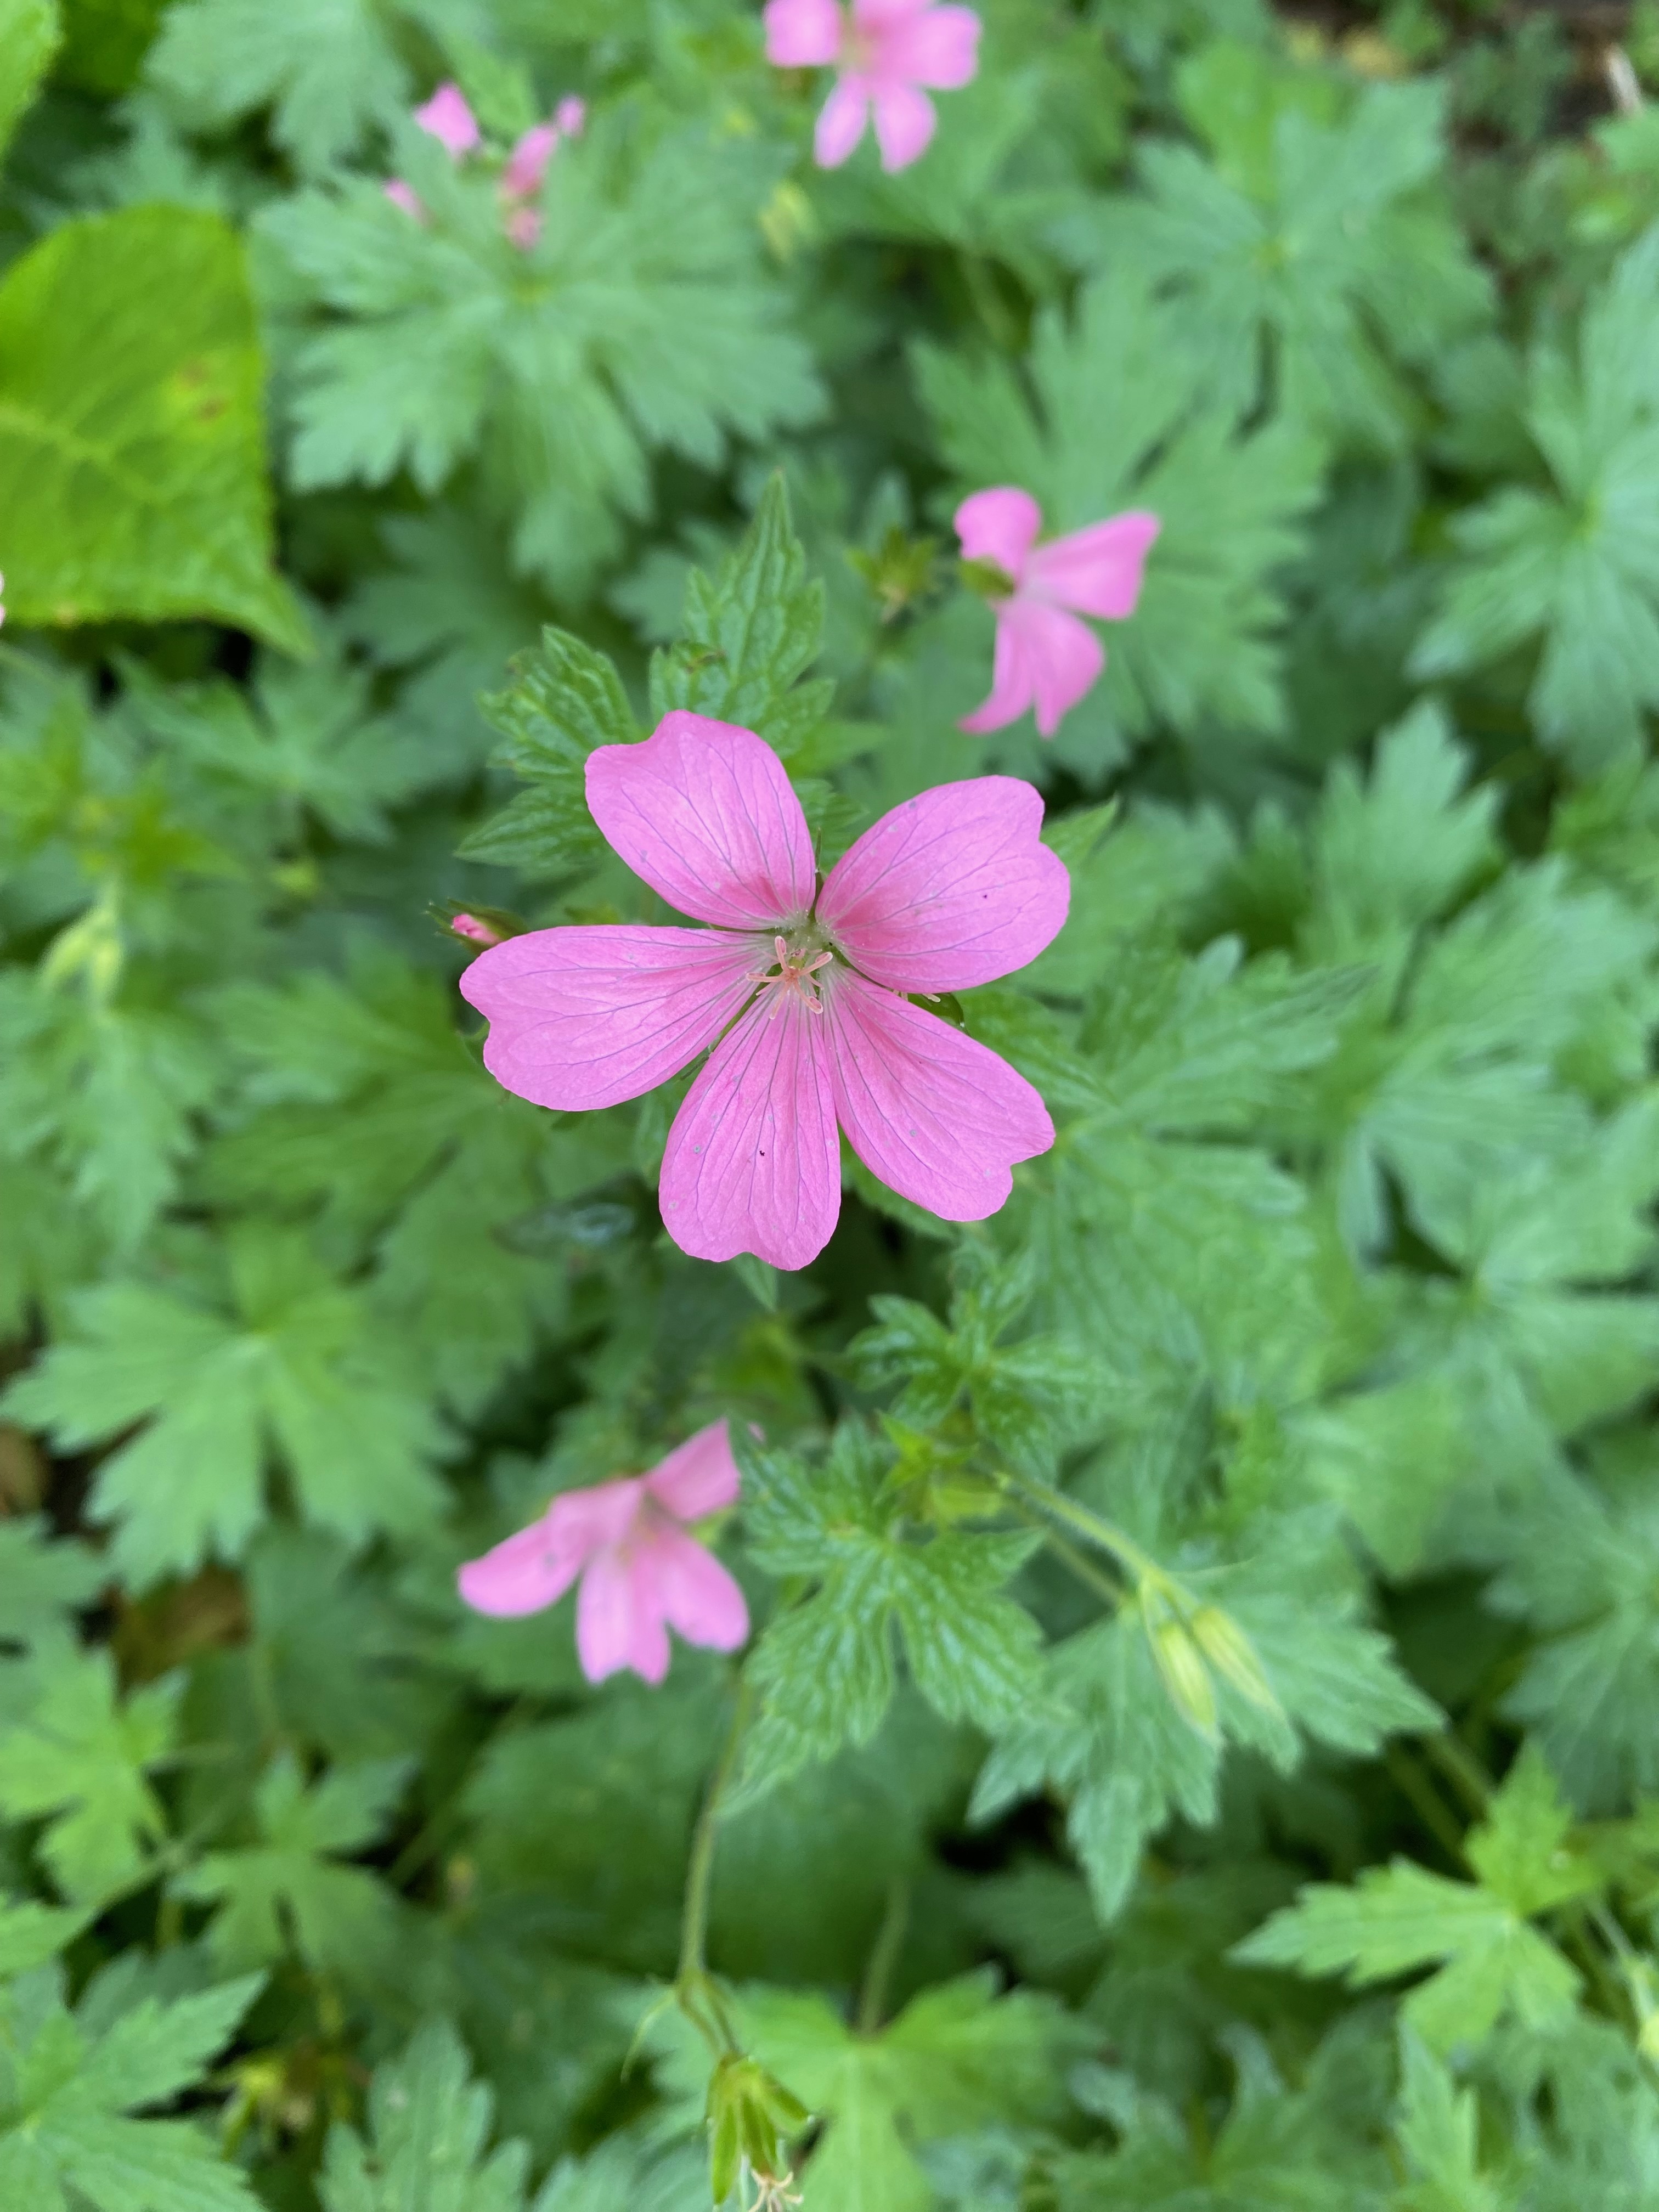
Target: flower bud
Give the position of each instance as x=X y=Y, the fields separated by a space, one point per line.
x=469 y=926
x=1231 y=1653
x=1186 y=1677
x=750 y=2117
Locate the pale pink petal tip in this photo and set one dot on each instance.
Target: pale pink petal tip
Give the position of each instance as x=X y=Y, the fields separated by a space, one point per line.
x=470 y=927
x=840 y=122
x=571 y=115
x=905 y=121
x=446 y=117
x=1000 y=525
x=802 y=33
x=527 y=166
x=404 y=195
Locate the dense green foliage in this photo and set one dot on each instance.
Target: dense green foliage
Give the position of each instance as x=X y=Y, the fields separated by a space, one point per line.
x=1200 y=1750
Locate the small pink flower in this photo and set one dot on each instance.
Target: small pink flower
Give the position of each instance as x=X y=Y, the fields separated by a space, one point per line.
x=798 y=987
x=885 y=51
x=642 y=1575
x=405 y=196
x=469 y=926
x=571 y=115
x=526 y=165
x=1045 y=656
x=446 y=117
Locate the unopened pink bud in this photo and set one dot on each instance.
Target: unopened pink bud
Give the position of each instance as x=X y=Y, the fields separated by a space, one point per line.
x=446 y=117
x=480 y=933
x=526 y=165
x=571 y=115
x=405 y=196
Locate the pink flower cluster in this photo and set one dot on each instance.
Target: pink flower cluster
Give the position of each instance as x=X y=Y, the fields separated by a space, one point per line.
x=885 y=53
x=447 y=117
x=799 y=986
x=1045 y=657
x=641 y=1574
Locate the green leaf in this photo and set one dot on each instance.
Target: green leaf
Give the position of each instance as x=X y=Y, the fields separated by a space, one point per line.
x=749 y=634
x=1202 y=641
x=30 y=31
x=343 y=1920
x=81 y=1756
x=131 y=449
x=42 y=1584
x=566 y=700
x=288 y=1372
x=956 y=2056
x=424 y=2147
x=1399 y=1917
x=68 y=2137
x=1573 y=566
x=825 y=1667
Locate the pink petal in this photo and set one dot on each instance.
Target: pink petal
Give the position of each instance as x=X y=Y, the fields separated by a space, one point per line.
x=752 y=1163
x=1065 y=655
x=939 y=47
x=1013 y=677
x=597 y=1515
x=936 y=1115
x=526 y=165
x=697 y=1477
x=951 y=889
x=692 y=1590
x=1096 y=571
x=904 y=122
x=840 y=122
x=802 y=33
x=527 y=1572
x=448 y=119
x=583 y=1018
x=878 y=16
x=405 y=196
x=523 y=228
x=571 y=115
x=704 y=812
x=999 y=526
x=618 y=1621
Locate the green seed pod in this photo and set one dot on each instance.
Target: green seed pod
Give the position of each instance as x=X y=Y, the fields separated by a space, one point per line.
x=1232 y=1654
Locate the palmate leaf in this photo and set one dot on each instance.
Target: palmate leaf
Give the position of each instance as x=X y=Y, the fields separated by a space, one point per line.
x=69 y=2133
x=344 y=1918
x=81 y=1757
x=1574 y=565
x=423 y=2145
x=1120 y=421
x=288 y=1370
x=131 y=449
x=1490 y=1961
x=563 y=367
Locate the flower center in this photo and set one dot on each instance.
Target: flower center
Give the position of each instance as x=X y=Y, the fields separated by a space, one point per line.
x=791 y=975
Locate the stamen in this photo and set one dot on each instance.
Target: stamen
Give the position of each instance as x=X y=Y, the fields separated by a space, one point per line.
x=795 y=977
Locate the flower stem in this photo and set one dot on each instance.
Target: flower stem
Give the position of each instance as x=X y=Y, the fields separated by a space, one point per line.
x=1105 y=1535
x=889 y=1941
x=693 y=1985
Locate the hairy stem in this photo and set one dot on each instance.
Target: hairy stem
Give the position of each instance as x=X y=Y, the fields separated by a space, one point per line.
x=889 y=1941
x=1105 y=1535
x=693 y=1985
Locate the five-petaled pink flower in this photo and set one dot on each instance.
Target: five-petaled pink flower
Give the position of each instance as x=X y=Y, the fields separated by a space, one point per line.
x=885 y=51
x=799 y=989
x=1045 y=657
x=641 y=1574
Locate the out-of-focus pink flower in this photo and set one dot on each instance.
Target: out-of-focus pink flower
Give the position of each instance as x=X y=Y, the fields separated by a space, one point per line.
x=526 y=165
x=2 y=610
x=885 y=51
x=571 y=115
x=799 y=989
x=469 y=926
x=1045 y=657
x=641 y=1574
x=404 y=195
x=446 y=117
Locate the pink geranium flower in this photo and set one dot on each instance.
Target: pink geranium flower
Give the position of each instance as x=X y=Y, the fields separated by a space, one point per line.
x=885 y=50
x=642 y=1575
x=448 y=118
x=1045 y=656
x=799 y=987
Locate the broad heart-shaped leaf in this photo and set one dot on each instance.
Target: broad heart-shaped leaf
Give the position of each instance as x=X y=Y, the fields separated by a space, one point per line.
x=565 y=700
x=1575 y=565
x=290 y=1370
x=344 y=1918
x=68 y=2089
x=132 y=481
x=1121 y=420
x=639 y=318
x=748 y=633
x=422 y=2149
x=81 y=1756
x=958 y=2057
x=30 y=31
x=825 y=1666
x=1401 y=1916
